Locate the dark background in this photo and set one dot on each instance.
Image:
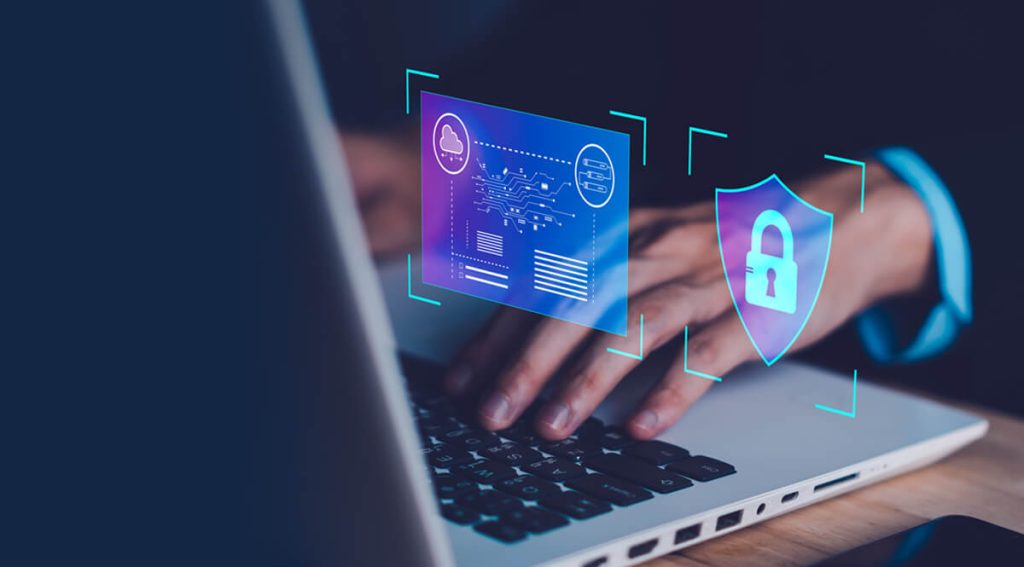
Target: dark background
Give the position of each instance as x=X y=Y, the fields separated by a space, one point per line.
x=155 y=249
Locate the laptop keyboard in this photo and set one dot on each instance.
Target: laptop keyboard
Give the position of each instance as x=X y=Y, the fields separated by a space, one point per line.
x=512 y=484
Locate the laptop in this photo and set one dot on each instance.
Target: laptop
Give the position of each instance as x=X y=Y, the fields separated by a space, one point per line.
x=395 y=474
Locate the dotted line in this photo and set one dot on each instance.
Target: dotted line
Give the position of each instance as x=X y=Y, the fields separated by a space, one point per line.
x=481 y=261
x=451 y=228
x=521 y=152
x=593 y=254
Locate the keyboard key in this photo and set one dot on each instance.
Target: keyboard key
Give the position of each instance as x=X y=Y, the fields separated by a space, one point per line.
x=591 y=427
x=438 y=424
x=434 y=407
x=490 y=502
x=484 y=471
x=424 y=438
x=459 y=514
x=656 y=452
x=528 y=487
x=473 y=439
x=572 y=448
x=576 y=505
x=614 y=438
x=702 y=468
x=420 y=413
x=522 y=432
x=613 y=490
x=511 y=453
x=501 y=531
x=555 y=468
x=439 y=403
x=635 y=470
x=446 y=456
x=534 y=520
x=438 y=411
x=448 y=486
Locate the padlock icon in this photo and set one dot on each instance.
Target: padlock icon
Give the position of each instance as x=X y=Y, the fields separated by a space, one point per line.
x=771 y=280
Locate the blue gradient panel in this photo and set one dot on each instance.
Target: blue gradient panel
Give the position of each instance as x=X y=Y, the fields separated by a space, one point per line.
x=525 y=210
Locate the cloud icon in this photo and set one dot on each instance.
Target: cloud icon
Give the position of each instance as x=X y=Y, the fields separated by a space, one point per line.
x=450 y=142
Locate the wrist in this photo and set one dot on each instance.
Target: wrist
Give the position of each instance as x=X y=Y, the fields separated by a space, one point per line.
x=896 y=233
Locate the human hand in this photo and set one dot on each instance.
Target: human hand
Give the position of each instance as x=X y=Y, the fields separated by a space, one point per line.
x=676 y=280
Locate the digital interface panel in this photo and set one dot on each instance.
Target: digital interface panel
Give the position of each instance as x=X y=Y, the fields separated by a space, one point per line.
x=525 y=210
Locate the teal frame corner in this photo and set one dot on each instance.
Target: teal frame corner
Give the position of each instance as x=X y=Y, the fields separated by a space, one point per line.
x=408 y=72
x=641 y=119
x=629 y=354
x=689 y=145
x=863 y=168
x=686 y=358
x=853 y=406
x=408 y=282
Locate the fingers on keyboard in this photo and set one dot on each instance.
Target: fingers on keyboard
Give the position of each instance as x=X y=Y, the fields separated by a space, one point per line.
x=512 y=484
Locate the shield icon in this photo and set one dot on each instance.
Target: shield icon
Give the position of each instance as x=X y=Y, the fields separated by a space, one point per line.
x=775 y=249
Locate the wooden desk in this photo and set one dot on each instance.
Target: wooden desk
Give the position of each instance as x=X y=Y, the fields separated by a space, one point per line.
x=984 y=480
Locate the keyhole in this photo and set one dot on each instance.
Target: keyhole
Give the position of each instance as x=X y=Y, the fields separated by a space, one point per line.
x=770 y=275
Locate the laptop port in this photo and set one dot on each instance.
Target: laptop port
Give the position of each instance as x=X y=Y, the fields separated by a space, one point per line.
x=790 y=497
x=642 y=548
x=728 y=520
x=596 y=562
x=686 y=534
x=834 y=482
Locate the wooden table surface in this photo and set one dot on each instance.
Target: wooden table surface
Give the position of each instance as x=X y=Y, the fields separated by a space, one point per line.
x=984 y=480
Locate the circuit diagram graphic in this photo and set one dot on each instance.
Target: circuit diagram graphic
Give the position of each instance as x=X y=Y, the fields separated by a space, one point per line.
x=524 y=203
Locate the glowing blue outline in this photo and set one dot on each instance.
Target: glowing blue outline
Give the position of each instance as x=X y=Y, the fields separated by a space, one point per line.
x=863 y=167
x=828 y=255
x=408 y=280
x=853 y=407
x=686 y=358
x=641 y=119
x=639 y=357
x=689 y=145
x=408 y=72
